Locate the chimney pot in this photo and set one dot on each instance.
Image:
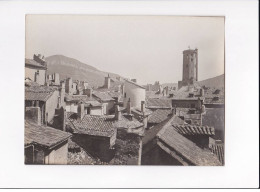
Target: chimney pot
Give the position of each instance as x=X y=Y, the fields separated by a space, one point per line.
x=129 y=106
x=81 y=111
x=118 y=115
x=142 y=106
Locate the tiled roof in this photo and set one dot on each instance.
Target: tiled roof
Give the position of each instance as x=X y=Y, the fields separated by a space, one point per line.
x=103 y=96
x=100 y=125
x=33 y=63
x=114 y=86
x=88 y=101
x=31 y=96
x=186 y=148
x=39 y=93
x=138 y=111
x=214 y=96
x=184 y=93
x=114 y=94
x=159 y=115
x=133 y=83
x=150 y=134
x=194 y=130
x=159 y=103
x=127 y=124
x=192 y=116
x=43 y=135
x=92 y=125
x=218 y=149
x=177 y=120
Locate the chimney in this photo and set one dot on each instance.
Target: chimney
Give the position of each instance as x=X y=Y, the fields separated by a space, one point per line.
x=134 y=80
x=128 y=108
x=160 y=89
x=202 y=92
x=118 y=115
x=63 y=118
x=107 y=82
x=81 y=111
x=87 y=92
x=203 y=109
x=122 y=89
x=142 y=106
x=167 y=90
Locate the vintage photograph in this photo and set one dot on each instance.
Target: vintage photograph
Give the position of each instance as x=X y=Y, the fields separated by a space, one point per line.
x=124 y=90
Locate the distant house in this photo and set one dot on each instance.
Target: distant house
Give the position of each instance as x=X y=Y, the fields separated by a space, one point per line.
x=91 y=105
x=95 y=134
x=134 y=92
x=47 y=98
x=106 y=99
x=45 y=145
x=53 y=79
x=35 y=69
x=106 y=136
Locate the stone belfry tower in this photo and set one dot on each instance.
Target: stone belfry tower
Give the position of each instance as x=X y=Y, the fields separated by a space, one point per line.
x=190 y=67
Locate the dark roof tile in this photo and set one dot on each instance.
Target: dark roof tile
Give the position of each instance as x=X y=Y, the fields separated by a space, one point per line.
x=43 y=135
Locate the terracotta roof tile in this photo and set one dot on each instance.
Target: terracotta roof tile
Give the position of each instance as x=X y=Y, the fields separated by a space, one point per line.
x=159 y=103
x=103 y=96
x=159 y=115
x=194 y=130
x=218 y=149
x=92 y=125
x=100 y=125
x=43 y=135
x=40 y=93
x=88 y=101
x=186 y=148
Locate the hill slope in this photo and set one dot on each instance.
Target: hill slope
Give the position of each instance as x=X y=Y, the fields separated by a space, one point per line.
x=69 y=67
x=218 y=81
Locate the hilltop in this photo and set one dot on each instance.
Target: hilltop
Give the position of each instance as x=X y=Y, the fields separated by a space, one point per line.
x=69 y=67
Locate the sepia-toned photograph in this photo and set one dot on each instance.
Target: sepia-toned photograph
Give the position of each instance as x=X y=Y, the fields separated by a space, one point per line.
x=124 y=90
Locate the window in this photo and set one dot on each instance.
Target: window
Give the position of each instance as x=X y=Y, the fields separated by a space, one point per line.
x=125 y=95
x=192 y=105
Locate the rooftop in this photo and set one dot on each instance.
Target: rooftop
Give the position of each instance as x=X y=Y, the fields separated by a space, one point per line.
x=194 y=130
x=91 y=124
x=159 y=103
x=185 y=148
x=103 y=96
x=138 y=111
x=133 y=83
x=214 y=96
x=159 y=115
x=35 y=64
x=39 y=93
x=100 y=125
x=88 y=101
x=43 y=135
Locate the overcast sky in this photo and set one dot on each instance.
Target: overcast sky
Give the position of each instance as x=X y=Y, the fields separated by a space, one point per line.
x=148 y=48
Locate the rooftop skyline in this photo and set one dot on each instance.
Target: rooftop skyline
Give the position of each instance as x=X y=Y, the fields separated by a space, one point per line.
x=148 y=48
